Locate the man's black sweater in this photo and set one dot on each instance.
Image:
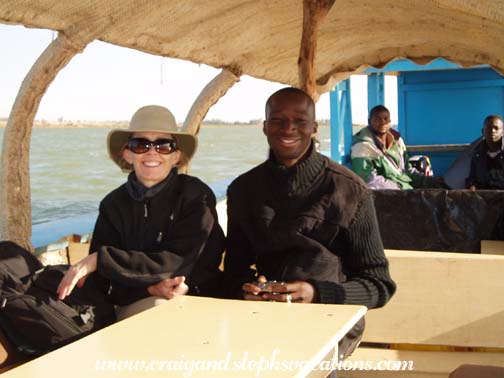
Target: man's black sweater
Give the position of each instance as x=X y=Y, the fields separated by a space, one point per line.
x=312 y=222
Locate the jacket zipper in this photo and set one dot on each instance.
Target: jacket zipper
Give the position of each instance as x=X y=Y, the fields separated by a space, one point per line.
x=145 y=223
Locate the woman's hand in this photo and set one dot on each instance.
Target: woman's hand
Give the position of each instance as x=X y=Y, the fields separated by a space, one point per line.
x=76 y=275
x=169 y=288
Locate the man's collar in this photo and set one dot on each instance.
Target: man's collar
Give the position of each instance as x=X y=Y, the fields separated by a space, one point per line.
x=484 y=143
x=300 y=175
x=139 y=192
x=391 y=136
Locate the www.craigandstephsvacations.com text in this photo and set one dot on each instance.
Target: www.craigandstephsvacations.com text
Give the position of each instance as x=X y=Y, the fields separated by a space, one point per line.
x=260 y=366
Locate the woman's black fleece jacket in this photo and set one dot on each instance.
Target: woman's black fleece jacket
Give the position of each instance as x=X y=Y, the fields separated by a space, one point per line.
x=144 y=235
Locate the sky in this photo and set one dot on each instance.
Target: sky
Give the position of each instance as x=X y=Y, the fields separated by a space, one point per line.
x=109 y=83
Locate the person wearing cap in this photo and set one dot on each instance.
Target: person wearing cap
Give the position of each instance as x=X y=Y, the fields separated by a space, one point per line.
x=305 y=220
x=157 y=235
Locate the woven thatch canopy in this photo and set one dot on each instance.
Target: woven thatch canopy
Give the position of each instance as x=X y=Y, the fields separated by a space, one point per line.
x=261 y=38
x=311 y=44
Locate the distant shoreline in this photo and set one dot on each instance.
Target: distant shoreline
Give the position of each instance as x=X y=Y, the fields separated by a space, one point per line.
x=76 y=125
x=119 y=125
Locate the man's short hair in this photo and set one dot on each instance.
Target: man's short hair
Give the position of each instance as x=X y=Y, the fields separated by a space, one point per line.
x=288 y=90
x=492 y=117
x=378 y=109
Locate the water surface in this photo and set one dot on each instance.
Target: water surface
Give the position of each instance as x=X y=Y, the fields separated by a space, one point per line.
x=70 y=171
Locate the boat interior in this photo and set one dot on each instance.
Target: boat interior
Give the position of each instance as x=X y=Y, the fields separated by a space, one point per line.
x=446 y=248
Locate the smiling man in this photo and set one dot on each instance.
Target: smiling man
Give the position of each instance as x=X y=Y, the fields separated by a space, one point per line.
x=304 y=221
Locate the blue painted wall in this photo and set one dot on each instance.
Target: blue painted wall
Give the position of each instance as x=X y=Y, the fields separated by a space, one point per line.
x=376 y=90
x=341 y=122
x=438 y=103
x=447 y=107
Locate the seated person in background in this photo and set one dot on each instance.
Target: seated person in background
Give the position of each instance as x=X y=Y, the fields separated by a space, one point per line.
x=379 y=156
x=157 y=235
x=301 y=218
x=487 y=161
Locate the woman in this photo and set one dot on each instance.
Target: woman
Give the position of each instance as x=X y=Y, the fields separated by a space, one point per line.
x=157 y=235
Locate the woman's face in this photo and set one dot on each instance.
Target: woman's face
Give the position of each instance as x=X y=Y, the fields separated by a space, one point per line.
x=151 y=167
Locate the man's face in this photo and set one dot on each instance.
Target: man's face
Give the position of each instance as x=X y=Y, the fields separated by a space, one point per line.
x=151 y=167
x=289 y=126
x=380 y=122
x=493 y=130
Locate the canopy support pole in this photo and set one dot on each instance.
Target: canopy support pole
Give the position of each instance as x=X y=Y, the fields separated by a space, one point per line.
x=212 y=92
x=314 y=11
x=15 y=201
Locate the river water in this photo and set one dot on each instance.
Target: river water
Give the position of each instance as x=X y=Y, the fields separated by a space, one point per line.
x=70 y=170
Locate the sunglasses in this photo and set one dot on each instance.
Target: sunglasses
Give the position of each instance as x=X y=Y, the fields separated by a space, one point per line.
x=164 y=146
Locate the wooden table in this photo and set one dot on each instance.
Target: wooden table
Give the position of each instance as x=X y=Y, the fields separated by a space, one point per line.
x=206 y=337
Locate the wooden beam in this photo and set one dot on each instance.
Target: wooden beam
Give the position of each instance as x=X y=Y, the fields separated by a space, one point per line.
x=15 y=202
x=15 y=205
x=437 y=147
x=314 y=11
x=212 y=92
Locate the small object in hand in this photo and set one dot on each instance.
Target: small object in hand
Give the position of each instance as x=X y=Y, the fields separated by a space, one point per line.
x=267 y=287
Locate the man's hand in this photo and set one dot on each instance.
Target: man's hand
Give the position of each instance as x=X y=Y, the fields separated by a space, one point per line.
x=76 y=275
x=169 y=288
x=251 y=291
x=297 y=291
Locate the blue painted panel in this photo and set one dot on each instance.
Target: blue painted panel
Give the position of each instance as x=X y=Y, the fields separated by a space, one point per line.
x=376 y=90
x=446 y=76
x=341 y=122
x=403 y=65
x=335 y=125
x=436 y=105
x=50 y=232
x=447 y=107
x=347 y=122
x=448 y=116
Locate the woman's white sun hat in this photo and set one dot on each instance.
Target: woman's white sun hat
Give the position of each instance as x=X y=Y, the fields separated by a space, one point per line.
x=151 y=118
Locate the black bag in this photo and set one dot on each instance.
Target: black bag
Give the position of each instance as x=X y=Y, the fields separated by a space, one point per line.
x=31 y=315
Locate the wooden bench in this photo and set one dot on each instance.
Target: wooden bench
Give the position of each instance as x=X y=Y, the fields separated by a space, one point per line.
x=68 y=250
x=492 y=247
x=448 y=311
